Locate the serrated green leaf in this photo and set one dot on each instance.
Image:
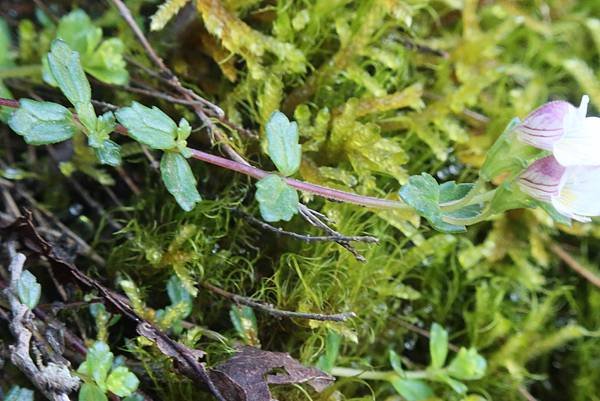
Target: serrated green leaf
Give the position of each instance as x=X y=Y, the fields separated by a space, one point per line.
x=179 y=180
x=17 y=393
x=78 y=31
x=282 y=146
x=467 y=365
x=103 y=60
x=98 y=363
x=42 y=123
x=149 y=126
x=276 y=199
x=122 y=382
x=67 y=71
x=109 y=153
x=438 y=345
x=28 y=289
x=91 y=392
x=412 y=390
x=107 y=63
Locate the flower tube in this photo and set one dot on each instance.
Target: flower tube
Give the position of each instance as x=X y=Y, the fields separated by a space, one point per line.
x=574 y=191
x=563 y=129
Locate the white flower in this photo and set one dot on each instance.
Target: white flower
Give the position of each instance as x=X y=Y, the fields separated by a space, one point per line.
x=563 y=129
x=574 y=191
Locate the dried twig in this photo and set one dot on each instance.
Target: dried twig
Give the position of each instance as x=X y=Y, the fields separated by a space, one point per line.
x=53 y=380
x=187 y=358
x=574 y=264
x=307 y=237
x=338 y=317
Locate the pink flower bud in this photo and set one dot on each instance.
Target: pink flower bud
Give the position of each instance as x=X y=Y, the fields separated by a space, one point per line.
x=545 y=125
x=574 y=191
x=542 y=179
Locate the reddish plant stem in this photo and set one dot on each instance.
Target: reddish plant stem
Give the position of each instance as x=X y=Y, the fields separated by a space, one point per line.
x=325 y=192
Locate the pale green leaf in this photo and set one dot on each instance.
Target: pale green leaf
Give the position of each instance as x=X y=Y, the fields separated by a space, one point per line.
x=65 y=66
x=107 y=63
x=42 y=123
x=98 y=363
x=78 y=31
x=179 y=180
x=91 y=392
x=29 y=290
x=467 y=365
x=438 y=345
x=412 y=390
x=283 y=147
x=149 y=126
x=396 y=362
x=276 y=199
x=122 y=382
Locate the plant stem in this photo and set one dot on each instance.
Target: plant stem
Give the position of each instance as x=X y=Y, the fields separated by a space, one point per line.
x=325 y=192
x=377 y=374
x=20 y=71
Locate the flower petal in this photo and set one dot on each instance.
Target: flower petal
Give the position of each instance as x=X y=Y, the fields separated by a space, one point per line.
x=544 y=126
x=580 y=145
x=579 y=193
x=542 y=179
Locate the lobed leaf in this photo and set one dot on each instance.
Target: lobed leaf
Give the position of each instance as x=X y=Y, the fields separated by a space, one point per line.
x=467 y=365
x=283 y=147
x=276 y=199
x=98 y=363
x=42 y=123
x=179 y=180
x=122 y=382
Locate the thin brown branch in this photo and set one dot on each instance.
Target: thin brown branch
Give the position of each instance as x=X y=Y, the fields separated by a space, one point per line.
x=574 y=264
x=270 y=309
x=307 y=237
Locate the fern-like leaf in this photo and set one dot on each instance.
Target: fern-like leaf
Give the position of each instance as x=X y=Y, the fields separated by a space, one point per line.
x=165 y=12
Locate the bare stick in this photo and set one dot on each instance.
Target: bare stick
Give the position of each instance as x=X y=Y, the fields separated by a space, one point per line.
x=574 y=264
x=54 y=380
x=338 y=317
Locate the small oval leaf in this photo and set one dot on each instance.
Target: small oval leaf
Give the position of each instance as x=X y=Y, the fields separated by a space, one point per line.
x=29 y=290
x=42 y=123
x=149 y=126
x=179 y=180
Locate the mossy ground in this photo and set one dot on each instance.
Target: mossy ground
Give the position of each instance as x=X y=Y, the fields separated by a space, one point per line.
x=381 y=90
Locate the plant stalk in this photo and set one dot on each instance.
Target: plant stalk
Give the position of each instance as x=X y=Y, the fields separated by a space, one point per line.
x=325 y=192
x=377 y=374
